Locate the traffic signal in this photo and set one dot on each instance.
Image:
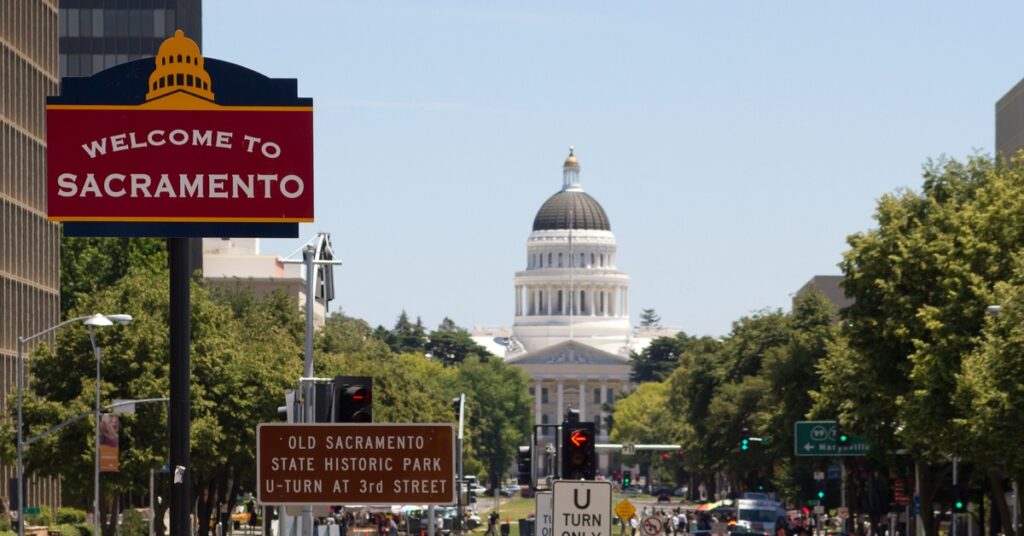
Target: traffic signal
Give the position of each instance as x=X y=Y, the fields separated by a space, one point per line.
x=842 y=437
x=524 y=464
x=353 y=399
x=821 y=490
x=579 y=455
x=958 y=499
x=627 y=478
x=745 y=439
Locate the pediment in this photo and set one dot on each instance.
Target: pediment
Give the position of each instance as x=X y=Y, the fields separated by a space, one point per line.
x=569 y=353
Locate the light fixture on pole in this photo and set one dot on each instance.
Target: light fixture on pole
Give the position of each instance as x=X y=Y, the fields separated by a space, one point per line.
x=90 y=321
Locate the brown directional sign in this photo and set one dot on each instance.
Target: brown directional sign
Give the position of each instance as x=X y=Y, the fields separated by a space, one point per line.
x=355 y=463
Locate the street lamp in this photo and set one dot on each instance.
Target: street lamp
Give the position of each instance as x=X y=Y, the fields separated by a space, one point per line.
x=90 y=321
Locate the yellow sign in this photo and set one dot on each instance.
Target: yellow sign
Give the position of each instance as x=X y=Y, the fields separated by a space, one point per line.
x=625 y=510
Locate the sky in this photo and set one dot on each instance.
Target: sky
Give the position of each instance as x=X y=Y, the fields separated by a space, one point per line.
x=734 y=145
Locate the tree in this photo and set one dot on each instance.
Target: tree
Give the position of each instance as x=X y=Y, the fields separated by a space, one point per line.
x=499 y=412
x=640 y=418
x=453 y=346
x=406 y=336
x=921 y=281
x=655 y=362
x=649 y=319
x=244 y=353
x=88 y=264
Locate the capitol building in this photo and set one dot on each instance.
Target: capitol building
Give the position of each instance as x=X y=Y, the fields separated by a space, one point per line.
x=571 y=333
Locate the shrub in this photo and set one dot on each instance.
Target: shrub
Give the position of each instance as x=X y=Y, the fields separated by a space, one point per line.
x=133 y=523
x=83 y=529
x=43 y=519
x=68 y=530
x=70 y=516
x=5 y=524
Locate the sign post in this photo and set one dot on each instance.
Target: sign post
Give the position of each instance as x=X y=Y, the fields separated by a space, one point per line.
x=543 y=510
x=374 y=464
x=162 y=147
x=581 y=508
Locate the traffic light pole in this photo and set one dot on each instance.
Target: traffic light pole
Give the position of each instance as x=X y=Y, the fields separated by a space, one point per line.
x=953 y=514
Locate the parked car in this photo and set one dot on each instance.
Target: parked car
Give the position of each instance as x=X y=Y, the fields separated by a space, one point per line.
x=664 y=497
x=508 y=491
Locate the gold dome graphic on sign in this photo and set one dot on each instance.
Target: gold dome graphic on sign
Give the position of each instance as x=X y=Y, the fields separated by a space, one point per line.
x=179 y=67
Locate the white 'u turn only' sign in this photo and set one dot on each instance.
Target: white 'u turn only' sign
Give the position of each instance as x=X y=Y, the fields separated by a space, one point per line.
x=581 y=508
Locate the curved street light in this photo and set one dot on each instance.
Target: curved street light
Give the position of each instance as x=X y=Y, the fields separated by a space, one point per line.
x=90 y=321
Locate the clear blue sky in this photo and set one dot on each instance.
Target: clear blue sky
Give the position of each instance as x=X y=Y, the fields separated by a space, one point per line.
x=734 y=145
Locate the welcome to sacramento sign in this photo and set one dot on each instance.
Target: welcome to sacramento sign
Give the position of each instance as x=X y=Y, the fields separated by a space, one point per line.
x=179 y=145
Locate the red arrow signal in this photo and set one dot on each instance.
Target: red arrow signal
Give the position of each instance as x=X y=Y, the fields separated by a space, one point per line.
x=579 y=437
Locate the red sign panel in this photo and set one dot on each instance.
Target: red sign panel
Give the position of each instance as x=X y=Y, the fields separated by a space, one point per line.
x=223 y=163
x=355 y=464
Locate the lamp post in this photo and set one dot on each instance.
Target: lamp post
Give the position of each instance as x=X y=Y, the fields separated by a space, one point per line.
x=995 y=310
x=90 y=321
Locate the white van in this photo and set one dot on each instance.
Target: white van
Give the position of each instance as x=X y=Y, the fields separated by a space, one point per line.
x=758 y=515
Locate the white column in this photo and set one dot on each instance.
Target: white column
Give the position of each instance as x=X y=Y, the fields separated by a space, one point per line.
x=550 y=299
x=604 y=400
x=583 y=399
x=519 y=301
x=537 y=411
x=561 y=401
x=592 y=293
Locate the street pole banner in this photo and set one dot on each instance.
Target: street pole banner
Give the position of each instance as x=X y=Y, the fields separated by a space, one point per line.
x=110 y=427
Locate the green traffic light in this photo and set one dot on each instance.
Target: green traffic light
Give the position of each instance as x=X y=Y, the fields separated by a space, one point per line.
x=843 y=438
x=821 y=494
x=959 y=505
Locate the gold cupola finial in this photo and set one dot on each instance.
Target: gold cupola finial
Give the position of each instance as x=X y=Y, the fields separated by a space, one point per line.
x=179 y=67
x=571 y=160
x=571 y=172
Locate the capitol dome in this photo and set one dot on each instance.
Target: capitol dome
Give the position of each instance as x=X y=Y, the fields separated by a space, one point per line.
x=571 y=208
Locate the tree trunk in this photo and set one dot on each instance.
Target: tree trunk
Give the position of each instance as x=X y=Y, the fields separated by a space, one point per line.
x=203 y=510
x=999 y=500
x=929 y=488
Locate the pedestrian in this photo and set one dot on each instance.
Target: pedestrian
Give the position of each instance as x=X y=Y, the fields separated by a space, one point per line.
x=634 y=523
x=392 y=527
x=492 y=524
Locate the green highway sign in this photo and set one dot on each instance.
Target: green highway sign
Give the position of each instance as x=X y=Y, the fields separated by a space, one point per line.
x=818 y=438
x=34 y=511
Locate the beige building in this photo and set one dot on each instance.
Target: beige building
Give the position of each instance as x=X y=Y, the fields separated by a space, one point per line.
x=29 y=244
x=1010 y=121
x=238 y=262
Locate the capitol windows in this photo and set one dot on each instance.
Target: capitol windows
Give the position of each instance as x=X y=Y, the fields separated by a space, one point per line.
x=597 y=395
x=611 y=395
x=544 y=398
x=583 y=260
x=559 y=259
x=602 y=259
x=549 y=259
x=558 y=305
x=591 y=259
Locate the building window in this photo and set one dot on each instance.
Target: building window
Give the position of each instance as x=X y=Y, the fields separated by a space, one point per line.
x=559 y=259
x=544 y=418
x=597 y=395
x=549 y=258
x=591 y=259
x=544 y=396
x=531 y=391
x=611 y=395
x=558 y=306
x=583 y=260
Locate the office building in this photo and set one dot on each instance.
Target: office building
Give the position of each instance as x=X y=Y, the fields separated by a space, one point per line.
x=29 y=243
